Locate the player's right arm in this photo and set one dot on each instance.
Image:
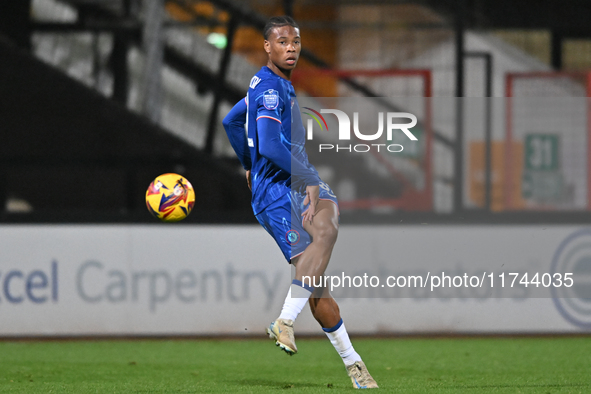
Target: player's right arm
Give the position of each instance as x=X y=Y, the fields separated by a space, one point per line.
x=234 y=126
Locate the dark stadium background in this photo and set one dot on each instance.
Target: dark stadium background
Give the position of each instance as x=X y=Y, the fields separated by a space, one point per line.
x=98 y=97
x=74 y=149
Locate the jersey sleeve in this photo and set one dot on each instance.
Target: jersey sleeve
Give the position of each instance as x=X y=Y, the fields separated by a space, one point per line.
x=234 y=126
x=270 y=107
x=268 y=100
x=271 y=147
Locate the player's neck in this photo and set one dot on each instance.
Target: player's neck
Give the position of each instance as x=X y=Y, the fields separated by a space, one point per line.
x=285 y=74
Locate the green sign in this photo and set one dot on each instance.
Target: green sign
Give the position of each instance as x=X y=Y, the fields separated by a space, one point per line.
x=541 y=152
x=542 y=186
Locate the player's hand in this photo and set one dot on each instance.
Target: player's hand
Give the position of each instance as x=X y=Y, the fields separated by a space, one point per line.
x=248 y=181
x=312 y=193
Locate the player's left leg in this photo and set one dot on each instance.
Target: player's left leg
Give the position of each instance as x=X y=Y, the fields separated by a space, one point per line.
x=327 y=313
x=313 y=263
x=324 y=230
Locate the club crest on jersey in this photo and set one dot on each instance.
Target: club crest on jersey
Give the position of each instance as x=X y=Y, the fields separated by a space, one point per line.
x=271 y=99
x=292 y=237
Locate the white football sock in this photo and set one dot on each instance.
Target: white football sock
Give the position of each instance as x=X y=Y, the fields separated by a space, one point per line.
x=296 y=300
x=340 y=340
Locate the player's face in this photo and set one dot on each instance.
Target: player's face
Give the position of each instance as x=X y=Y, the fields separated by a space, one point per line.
x=283 y=47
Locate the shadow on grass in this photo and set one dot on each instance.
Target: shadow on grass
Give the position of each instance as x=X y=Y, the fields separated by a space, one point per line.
x=277 y=384
x=517 y=386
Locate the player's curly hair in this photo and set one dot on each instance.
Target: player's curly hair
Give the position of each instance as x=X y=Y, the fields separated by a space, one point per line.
x=278 y=21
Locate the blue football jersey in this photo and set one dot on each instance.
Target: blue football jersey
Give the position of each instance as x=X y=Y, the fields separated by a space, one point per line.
x=270 y=96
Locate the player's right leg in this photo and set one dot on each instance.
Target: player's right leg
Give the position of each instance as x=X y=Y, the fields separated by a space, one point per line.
x=311 y=261
x=276 y=219
x=281 y=331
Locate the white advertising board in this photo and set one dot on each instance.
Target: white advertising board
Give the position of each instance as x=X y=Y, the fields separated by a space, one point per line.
x=204 y=280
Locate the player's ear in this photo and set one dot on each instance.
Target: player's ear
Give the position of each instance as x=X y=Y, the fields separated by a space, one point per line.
x=267 y=47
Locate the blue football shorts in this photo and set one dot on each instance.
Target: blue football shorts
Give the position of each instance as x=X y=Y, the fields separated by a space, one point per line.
x=283 y=220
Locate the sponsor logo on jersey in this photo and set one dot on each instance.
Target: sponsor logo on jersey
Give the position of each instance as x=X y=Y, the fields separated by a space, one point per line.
x=271 y=99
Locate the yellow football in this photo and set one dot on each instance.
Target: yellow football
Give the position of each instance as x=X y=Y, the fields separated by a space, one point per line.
x=170 y=197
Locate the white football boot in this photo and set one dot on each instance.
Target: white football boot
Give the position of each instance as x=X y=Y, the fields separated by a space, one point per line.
x=281 y=330
x=360 y=376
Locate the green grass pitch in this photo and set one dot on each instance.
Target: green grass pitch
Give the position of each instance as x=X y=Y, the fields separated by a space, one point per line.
x=457 y=365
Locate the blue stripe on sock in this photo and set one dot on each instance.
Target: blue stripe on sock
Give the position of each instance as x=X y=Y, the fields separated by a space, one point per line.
x=302 y=285
x=333 y=329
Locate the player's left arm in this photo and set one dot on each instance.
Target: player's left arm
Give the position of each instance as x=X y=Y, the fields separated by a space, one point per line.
x=271 y=147
x=270 y=105
x=312 y=198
